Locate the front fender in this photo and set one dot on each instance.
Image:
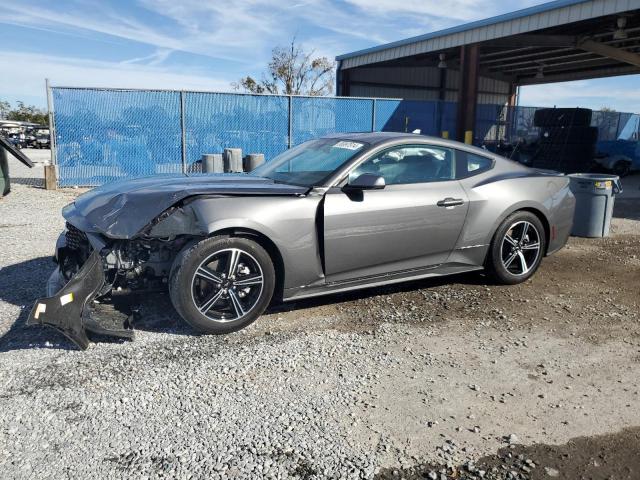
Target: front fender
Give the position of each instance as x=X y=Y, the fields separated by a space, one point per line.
x=288 y=222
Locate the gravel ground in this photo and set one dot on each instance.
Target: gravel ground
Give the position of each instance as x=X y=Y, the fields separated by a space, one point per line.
x=432 y=379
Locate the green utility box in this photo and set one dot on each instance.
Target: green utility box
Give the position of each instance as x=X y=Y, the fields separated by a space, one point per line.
x=5 y=184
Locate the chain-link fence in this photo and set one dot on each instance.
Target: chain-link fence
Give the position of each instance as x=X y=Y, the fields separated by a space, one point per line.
x=106 y=134
x=510 y=124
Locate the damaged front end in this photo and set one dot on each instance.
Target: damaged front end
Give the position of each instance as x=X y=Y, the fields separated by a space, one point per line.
x=92 y=270
x=68 y=310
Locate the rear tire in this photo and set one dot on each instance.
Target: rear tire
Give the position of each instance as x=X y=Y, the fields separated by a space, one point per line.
x=517 y=248
x=222 y=284
x=622 y=168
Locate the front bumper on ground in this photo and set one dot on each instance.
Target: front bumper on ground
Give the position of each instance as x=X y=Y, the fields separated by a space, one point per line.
x=68 y=309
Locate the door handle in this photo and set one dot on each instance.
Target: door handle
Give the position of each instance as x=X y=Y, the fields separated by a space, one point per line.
x=450 y=202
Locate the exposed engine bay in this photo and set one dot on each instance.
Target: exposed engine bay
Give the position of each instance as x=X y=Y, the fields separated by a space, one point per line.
x=138 y=265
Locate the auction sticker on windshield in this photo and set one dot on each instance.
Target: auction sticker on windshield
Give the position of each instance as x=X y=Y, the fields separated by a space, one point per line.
x=348 y=145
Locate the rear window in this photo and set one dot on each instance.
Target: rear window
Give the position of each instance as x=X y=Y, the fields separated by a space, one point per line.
x=470 y=164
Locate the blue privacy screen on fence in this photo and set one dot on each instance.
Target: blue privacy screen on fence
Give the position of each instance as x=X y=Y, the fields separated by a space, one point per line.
x=431 y=118
x=385 y=110
x=215 y=121
x=315 y=117
x=103 y=135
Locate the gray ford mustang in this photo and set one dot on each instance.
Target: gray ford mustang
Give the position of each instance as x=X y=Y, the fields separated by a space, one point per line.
x=334 y=214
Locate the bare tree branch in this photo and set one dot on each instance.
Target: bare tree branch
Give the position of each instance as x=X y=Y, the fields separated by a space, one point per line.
x=294 y=72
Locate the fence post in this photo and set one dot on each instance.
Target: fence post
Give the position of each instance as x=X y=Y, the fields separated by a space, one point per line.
x=51 y=180
x=290 y=140
x=373 y=115
x=184 y=134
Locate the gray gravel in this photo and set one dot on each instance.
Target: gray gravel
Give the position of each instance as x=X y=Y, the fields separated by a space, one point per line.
x=340 y=388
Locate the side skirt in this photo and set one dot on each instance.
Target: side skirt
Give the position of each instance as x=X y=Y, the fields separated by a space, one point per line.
x=389 y=279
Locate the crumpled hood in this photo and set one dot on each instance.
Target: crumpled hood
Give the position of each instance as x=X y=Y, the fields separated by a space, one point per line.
x=121 y=209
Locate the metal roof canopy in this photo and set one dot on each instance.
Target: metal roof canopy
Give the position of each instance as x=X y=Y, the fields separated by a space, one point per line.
x=558 y=41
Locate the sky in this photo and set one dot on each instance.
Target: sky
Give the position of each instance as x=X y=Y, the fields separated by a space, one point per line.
x=208 y=44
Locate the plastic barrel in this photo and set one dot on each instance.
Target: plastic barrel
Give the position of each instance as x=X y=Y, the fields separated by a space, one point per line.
x=595 y=196
x=212 y=163
x=232 y=160
x=253 y=161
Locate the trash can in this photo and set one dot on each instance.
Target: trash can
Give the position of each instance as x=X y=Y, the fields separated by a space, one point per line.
x=5 y=184
x=595 y=196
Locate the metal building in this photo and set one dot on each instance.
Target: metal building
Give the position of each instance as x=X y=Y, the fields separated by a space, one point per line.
x=487 y=60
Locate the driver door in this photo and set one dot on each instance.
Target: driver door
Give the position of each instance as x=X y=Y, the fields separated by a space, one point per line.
x=413 y=223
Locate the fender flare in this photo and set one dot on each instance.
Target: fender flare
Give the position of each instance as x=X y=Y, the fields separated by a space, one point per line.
x=533 y=207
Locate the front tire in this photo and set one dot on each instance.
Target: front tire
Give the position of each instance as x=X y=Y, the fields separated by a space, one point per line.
x=517 y=248
x=222 y=284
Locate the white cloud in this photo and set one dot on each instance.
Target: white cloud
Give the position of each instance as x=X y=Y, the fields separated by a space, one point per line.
x=453 y=9
x=244 y=32
x=99 y=19
x=156 y=58
x=28 y=72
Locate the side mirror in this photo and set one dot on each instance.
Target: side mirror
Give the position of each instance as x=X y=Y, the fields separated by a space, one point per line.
x=367 y=181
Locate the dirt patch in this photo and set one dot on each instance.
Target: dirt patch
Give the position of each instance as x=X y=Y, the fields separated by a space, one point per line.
x=602 y=457
x=590 y=289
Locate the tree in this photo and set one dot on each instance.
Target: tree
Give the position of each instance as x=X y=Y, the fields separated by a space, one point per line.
x=28 y=113
x=5 y=108
x=292 y=71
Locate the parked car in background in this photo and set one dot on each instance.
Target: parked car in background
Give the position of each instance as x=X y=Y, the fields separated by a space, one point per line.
x=334 y=214
x=29 y=139
x=15 y=140
x=43 y=138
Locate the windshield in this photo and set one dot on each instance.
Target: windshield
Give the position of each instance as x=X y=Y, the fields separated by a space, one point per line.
x=310 y=163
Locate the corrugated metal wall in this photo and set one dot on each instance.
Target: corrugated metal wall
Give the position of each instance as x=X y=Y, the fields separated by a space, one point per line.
x=419 y=83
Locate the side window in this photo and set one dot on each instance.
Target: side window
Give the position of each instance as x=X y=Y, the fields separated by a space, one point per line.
x=410 y=164
x=470 y=164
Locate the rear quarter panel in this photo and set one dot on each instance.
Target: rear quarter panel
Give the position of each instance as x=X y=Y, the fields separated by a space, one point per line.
x=496 y=194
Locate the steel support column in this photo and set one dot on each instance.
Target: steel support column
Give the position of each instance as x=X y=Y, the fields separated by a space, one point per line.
x=442 y=96
x=468 y=90
x=512 y=103
x=344 y=83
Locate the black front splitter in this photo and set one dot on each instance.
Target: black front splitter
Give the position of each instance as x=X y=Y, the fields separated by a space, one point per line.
x=69 y=310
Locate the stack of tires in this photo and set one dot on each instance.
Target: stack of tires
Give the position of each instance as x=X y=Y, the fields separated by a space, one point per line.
x=567 y=141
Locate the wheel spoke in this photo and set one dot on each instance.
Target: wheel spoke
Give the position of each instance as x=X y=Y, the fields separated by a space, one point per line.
x=237 y=306
x=523 y=263
x=510 y=240
x=207 y=305
x=249 y=280
x=207 y=274
x=531 y=246
x=510 y=260
x=234 y=257
x=525 y=229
